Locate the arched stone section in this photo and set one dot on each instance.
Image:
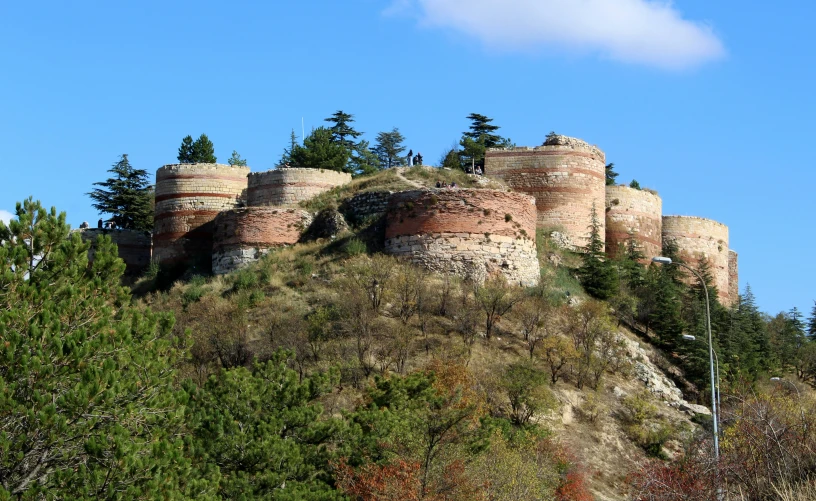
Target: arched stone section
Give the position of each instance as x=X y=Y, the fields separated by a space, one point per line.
x=242 y=236
x=698 y=238
x=566 y=176
x=188 y=197
x=637 y=211
x=470 y=233
x=289 y=186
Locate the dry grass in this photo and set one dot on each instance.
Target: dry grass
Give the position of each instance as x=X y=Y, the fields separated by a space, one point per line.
x=386 y=180
x=428 y=176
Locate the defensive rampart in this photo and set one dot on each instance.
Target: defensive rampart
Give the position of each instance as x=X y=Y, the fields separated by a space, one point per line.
x=134 y=247
x=288 y=186
x=471 y=233
x=698 y=239
x=733 y=276
x=242 y=236
x=637 y=211
x=188 y=197
x=565 y=175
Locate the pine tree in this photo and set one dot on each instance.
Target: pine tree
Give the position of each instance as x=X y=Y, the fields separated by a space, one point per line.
x=320 y=152
x=126 y=197
x=610 y=174
x=598 y=275
x=203 y=150
x=236 y=161
x=473 y=152
x=342 y=130
x=185 y=153
x=812 y=323
x=286 y=156
x=389 y=148
x=363 y=160
x=481 y=130
x=634 y=184
x=88 y=409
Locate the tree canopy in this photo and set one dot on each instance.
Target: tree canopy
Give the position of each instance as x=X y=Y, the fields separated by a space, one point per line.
x=200 y=151
x=320 y=152
x=389 y=148
x=126 y=197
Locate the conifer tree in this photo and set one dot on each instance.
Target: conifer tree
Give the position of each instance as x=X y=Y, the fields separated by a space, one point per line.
x=610 y=174
x=389 y=148
x=236 y=161
x=812 y=323
x=481 y=130
x=342 y=132
x=320 y=152
x=126 y=197
x=185 y=153
x=286 y=156
x=203 y=150
x=598 y=275
x=87 y=405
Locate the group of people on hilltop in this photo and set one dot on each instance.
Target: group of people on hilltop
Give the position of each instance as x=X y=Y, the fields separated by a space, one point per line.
x=414 y=159
x=478 y=170
x=102 y=225
x=441 y=185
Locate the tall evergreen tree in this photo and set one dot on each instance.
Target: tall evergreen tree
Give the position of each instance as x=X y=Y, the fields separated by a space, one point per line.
x=320 y=152
x=598 y=275
x=87 y=404
x=610 y=174
x=286 y=156
x=812 y=323
x=126 y=197
x=389 y=148
x=203 y=150
x=363 y=160
x=482 y=130
x=236 y=161
x=185 y=153
x=342 y=131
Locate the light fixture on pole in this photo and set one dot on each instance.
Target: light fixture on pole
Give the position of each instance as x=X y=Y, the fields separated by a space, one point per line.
x=689 y=337
x=714 y=385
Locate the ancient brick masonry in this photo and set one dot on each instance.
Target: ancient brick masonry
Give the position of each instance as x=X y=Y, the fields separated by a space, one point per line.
x=698 y=239
x=242 y=236
x=566 y=176
x=134 y=247
x=470 y=233
x=733 y=276
x=638 y=211
x=365 y=205
x=288 y=186
x=188 y=197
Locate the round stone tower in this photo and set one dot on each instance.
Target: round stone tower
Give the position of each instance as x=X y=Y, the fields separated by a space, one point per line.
x=697 y=239
x=188 y=197
x=733 y=276
x=288 y=186
x=637 y=211
x=566 y=176
x=242 y=236
x=471 y=233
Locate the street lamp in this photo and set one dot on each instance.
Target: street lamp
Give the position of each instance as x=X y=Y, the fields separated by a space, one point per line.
x=689 y=337
x=714 y=385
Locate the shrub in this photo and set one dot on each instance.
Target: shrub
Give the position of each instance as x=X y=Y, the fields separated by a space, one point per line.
x=355 y=247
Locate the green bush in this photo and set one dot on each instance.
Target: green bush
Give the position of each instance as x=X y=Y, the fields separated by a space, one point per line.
x=355 y=247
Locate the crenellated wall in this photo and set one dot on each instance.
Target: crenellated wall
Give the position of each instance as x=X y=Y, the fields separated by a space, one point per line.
x=242 y=236
x=698 y=238
x=288 y=186
x=733 y=276
x=134 y=247
x=471 y=233
x=188 y=197
x=638 y=211
x=565 y=175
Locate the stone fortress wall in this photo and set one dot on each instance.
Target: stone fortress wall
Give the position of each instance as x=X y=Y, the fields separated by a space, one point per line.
x=134 y=247
x=566 y=176
x=188 y=198
x=733 y=277
x=288 y=186
x=469 y=232
x=701 y=239
x=242 y=236
x=638 y=211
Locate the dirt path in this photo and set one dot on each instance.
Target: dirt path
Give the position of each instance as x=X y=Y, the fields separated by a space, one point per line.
x=400 y=175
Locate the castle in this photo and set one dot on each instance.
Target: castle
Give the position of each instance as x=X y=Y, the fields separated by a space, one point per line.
x=221 y=217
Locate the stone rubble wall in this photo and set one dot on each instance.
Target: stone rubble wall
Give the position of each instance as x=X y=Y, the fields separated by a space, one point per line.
x=188 y=198
x=697 y=239
x=365 y=205
x=629 y=209
x=565 y=179
x=134 y=247
x=471 y=233
x=289 y=186
x=733 y=276
x=242 y=236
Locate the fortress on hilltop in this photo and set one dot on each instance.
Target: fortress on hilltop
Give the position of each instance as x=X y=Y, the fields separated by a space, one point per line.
x=219 y=217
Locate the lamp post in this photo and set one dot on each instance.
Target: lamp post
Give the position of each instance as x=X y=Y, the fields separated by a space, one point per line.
x=714 y=385
x=689 y=337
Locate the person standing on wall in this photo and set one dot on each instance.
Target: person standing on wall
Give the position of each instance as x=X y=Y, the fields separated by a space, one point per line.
x=410 y=158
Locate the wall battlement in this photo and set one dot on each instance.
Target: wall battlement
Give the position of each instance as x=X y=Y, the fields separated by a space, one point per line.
x=471 y=233
x=289 y=186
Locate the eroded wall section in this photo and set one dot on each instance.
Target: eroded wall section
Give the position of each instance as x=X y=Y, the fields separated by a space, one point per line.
x=637 y=211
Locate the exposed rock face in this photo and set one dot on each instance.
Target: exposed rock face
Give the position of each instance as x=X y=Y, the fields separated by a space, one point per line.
x=656 y=382
x=562 y=240
x=326 y=224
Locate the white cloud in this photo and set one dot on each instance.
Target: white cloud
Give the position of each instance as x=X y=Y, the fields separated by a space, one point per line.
x=647 y=32
x=6 y=216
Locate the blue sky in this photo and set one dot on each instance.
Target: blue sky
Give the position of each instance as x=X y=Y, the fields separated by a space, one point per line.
x=710 y=103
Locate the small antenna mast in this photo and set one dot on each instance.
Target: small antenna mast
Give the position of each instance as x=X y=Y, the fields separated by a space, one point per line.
x=302 y=131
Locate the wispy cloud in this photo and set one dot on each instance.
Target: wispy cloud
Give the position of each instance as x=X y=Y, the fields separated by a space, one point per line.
x=648 y=32
x=6 y=216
